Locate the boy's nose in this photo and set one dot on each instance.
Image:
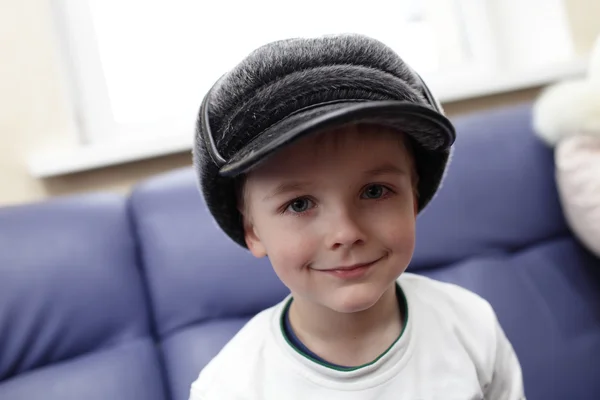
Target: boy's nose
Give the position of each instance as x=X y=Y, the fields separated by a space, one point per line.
x=344 y=231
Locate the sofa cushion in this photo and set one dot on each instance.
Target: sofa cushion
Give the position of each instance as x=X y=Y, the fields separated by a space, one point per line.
x=578 y=181
x=190 y=264
x=74 y=322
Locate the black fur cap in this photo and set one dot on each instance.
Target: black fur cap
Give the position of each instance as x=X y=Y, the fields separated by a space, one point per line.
x=283 y=77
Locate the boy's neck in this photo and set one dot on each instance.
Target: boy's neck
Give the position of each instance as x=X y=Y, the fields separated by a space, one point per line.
x=349 y=339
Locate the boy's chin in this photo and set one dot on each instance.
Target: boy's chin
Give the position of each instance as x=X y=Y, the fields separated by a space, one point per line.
x=353 y=301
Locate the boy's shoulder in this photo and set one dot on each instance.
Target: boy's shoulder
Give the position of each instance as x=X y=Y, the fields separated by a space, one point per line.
x=457 y=306
x=436 y=290
x=239 y=356
x=437 y=310
x=461 y=321
x=452 y=309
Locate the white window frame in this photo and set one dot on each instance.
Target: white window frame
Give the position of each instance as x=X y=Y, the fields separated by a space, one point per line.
x=87 y=86
x=489 y=73
x=89 y=89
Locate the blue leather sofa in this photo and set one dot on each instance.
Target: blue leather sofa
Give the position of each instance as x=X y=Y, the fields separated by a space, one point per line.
x=127 y=298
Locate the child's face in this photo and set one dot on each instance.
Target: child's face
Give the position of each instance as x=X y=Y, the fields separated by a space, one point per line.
x=339 y=199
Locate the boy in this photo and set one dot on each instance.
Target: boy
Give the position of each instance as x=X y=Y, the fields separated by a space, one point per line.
x=320 y=153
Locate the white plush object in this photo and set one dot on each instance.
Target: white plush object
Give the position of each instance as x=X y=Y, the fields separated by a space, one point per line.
x=577 y=161
x=568 y=109
x=567 y=116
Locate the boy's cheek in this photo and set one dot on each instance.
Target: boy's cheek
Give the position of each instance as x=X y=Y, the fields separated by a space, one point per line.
x=399 y=234
x=292 y=251
x=295 y=250
x=415 y=206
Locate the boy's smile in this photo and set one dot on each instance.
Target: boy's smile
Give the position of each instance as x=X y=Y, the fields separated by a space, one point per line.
x=335 y=214
x=352 y=271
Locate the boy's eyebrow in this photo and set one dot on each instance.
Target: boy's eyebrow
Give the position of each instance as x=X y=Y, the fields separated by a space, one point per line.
x=285 y=188
x=387 y=168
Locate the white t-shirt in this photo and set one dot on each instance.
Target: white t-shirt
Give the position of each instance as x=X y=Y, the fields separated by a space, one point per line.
x=452 y=347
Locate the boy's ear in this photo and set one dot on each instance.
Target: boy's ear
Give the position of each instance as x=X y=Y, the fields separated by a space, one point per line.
x=416 y=203
x=253 y=240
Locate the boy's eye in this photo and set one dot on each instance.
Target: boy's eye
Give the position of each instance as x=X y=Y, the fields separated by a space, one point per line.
x=299 y=205
x=374 y=192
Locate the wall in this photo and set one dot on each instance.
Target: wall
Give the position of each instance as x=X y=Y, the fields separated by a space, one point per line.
x=584 y=18
x=35 y=111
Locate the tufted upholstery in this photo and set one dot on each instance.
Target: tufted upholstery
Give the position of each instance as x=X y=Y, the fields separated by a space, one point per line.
x=74 y=320
x=111 y=298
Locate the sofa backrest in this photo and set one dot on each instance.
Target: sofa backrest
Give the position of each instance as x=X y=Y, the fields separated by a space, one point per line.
x=496 y=228
x=74 y=320
x=499 y=194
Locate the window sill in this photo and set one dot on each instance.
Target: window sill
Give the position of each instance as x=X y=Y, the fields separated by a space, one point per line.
x=467 y=87
x=101 y=155
x=108 y=154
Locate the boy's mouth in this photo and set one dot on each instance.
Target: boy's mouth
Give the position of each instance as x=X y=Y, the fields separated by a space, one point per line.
x=351 y=271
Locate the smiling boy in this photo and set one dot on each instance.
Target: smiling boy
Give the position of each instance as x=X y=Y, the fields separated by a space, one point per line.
x=319 y=153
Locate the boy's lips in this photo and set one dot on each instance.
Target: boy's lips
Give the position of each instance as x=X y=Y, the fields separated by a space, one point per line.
x=351 y=267
x=351 y=271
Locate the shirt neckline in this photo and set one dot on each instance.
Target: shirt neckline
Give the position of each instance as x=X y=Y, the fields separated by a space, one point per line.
x=309 y=355
x=387 y=367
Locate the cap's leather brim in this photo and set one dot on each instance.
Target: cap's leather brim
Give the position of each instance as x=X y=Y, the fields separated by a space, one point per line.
x=438 y=133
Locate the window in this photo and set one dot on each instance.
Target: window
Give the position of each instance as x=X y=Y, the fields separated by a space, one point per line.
x=141 y=68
